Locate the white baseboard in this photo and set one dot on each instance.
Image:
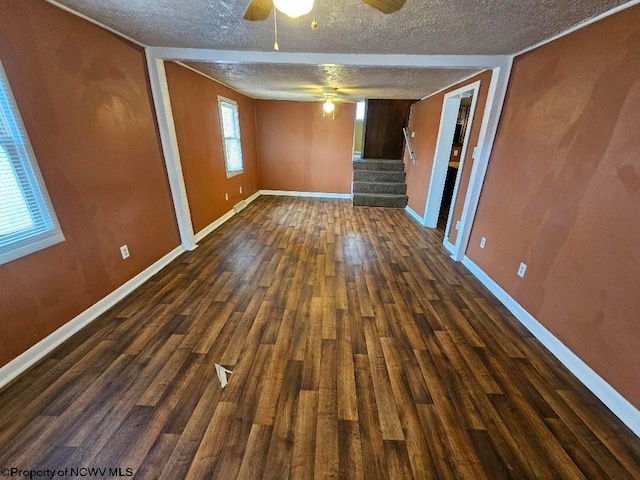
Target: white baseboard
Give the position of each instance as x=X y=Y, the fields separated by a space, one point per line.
x=213 y=225
x=619 y=405
x=31 y=356
x=241 y=205
x=414 y=214
x=28 y=358
x=291 y=193
x=216 y=223
x=449 y=246
x=253 y=197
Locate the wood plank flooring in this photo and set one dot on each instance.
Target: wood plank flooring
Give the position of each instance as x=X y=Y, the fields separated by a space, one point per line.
x=358 y=350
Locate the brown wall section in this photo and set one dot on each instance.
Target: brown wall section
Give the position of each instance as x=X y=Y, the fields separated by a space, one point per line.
x=300 y=150
x=194 y=102
x=84 y=97
x=562 y=194
x=425 y=122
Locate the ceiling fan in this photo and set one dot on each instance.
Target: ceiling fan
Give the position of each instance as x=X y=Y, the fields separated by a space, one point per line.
x=261 y=9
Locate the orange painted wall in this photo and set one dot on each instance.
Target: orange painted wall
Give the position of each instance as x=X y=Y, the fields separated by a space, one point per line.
x=84 y=97
x=194 y=102
x=300 y=150
x=562 y=194
x=425 y=122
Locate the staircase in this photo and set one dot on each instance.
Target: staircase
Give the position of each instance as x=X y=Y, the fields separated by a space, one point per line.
x=379 y=183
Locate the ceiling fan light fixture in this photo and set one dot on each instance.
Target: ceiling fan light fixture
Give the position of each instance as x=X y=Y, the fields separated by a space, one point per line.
x=328 y=106
x=294 y=8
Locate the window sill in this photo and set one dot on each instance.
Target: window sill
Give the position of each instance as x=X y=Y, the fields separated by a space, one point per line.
x=28 y=247
x=233 y=174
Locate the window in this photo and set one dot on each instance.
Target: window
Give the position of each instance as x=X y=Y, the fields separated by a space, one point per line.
x=27 y=220
x=360 y=108
x=230 y=126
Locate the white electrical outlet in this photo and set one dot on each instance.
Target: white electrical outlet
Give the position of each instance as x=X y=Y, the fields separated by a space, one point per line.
x=413 y=134
x=226 y=197
x=483 y=242
x=240 y=189
x=124 y=251
x=458 y=225
x=522 y=269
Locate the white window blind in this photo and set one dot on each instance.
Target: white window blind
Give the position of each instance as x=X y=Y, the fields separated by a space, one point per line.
x=27 y=220
x=230 y=126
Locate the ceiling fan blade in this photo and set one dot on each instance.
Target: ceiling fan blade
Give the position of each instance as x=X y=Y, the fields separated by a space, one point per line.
x=258 y=10
x=386 y=6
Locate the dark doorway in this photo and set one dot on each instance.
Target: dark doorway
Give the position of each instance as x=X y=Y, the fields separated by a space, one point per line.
x=457 y=148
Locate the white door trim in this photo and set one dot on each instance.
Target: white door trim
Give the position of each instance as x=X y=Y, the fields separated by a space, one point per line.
x=169 y=141
x=489 y=128
x=475 y=91
x=448 y=118
x=450 y=107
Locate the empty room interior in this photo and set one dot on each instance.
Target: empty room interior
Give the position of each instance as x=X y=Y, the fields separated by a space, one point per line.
x=374 y=239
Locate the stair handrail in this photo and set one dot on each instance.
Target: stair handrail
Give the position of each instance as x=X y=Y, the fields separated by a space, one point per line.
x=409 y=142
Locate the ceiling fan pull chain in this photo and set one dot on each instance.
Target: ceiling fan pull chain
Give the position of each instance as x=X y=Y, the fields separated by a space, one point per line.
x=276 y=47
x=314 y=24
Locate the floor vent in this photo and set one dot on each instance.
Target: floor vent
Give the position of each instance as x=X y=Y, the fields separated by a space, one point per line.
x=240 y=206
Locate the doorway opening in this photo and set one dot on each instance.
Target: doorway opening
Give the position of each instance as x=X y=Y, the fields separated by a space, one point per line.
x=449 y=161
x=445 y=214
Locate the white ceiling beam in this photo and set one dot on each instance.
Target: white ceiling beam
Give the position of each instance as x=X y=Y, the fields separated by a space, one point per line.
x=359 y=60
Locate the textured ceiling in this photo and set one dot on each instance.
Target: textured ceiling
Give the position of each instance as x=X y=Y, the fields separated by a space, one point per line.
x=465 y=27
x=422 y=27
x=303 y=82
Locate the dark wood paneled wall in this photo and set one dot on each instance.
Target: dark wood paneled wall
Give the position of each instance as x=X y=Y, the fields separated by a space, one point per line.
x=383 y=128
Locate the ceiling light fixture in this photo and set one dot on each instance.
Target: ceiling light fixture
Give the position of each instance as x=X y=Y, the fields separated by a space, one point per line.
x=294 y=8
x=329 y=106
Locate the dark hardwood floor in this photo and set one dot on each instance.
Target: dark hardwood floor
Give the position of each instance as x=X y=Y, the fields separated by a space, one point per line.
x=358 y=350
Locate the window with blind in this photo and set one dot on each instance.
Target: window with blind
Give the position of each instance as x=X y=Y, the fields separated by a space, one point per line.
x=27 y=220
x=230 y=127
